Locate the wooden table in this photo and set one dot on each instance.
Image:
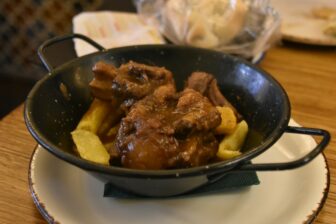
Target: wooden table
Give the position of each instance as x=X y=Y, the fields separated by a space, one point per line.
x=307 y=73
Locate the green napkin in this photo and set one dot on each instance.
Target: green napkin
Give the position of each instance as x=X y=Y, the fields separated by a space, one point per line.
x=228 y=182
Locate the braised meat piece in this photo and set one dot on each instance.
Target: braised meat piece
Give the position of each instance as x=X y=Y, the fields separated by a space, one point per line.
x=128 y=83
x=194 y=114
x=206 y=84
x=101 y=85
x=168 y=130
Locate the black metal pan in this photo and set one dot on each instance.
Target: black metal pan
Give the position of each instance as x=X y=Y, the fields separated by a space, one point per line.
x=57 y=102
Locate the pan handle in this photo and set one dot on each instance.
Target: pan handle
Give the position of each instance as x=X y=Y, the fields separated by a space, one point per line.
x=55 y=40
x=296 y=163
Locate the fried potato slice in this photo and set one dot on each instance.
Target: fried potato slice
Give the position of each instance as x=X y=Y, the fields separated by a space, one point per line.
x=95 y=116
x=231 y=144
x=227 y=154
x=90 y=147
x=229 y=121
x=106 y=124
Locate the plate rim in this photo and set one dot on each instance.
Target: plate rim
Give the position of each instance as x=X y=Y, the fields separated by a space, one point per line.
x=50 y=219
x=38 y=204
x=289 y=36
x=293 y=38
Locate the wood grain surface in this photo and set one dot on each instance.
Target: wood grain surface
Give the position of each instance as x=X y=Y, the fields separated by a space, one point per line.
x=307 y=73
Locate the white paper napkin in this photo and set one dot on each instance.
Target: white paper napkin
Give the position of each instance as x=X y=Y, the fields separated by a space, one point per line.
x=113 y=29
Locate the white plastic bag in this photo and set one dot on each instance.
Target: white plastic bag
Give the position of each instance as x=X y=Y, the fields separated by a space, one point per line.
x=242 y=27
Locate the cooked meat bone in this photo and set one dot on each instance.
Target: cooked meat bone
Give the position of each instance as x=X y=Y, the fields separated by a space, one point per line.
x=169 y=130
x=206 y=84
x=162 y=129
x=130 y=82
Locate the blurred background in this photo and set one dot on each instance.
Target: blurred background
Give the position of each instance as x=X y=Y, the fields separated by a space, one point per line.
x=24 y=25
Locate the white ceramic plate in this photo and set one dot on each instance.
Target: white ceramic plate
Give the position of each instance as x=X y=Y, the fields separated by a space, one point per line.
x=66 y=194
x=299 y=25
